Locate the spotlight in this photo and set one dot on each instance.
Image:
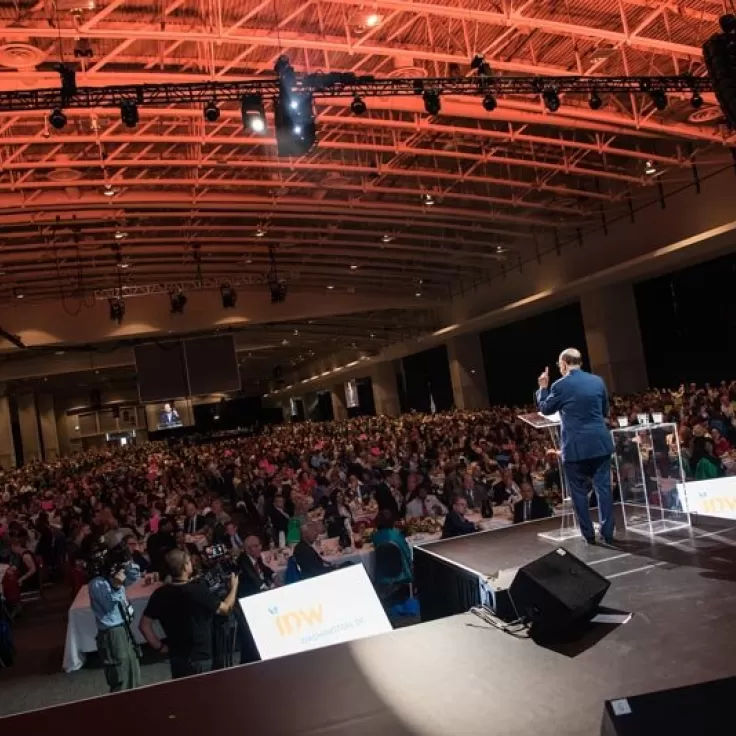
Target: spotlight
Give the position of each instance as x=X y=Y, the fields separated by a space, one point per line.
x=229 y=296
x=253 y=113
x=659 y=98
x=358 y=106
x=260 y=232
x=109 y=190
x=178 y=301
x=211 y=112
x=551 y=99
x=117 y=309
x=428 y=199
x=595 y=102
x=696 y=100
x=18 y=293
x=489 y=102
x=649 y=168
x=296 y=130
x=432 y=102
x=129 y=113
x=57 y=118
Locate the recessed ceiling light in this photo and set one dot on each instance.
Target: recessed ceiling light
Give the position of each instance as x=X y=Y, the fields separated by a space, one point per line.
x=353 y=266
x=387 y=238
x=419 y=293
x=248 y=261
x=649 y=168
x=109 y=190
x=59 y=352
x=18 y=294
x=120 y=235
x=260 y=232
x=428 y=199
x=330 y=287
x=372 y=20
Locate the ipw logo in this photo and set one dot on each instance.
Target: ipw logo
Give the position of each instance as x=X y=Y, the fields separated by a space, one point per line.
x=292 y=622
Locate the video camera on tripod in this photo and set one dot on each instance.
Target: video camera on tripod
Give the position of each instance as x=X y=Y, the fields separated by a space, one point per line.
x=218 y=567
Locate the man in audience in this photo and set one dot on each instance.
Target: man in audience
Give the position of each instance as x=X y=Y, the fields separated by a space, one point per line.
x=232 y=539
x=456 y=525
x=194 y=522
x=307 y=558
x=160 y=544
x=425 y=504
x=255 y=576
x=186 y=609
x=506 y=490
x=530 y=506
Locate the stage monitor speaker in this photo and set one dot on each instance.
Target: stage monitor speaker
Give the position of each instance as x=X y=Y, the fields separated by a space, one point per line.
x=705 y=709
x=556 y=592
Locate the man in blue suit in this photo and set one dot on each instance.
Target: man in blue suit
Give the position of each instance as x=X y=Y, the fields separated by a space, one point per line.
x=582 y=401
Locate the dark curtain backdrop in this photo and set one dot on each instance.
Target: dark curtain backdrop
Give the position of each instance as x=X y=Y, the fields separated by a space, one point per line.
x=424 y=372
x=515 y=354
x=366 y=402
x=324 y=412
x=230 y=413
x=688 y=323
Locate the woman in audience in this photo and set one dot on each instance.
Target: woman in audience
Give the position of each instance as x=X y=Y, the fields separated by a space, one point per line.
x=338 y=519
x=704 y=464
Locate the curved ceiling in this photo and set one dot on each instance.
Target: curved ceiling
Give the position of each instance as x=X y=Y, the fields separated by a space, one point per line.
x=351 y=215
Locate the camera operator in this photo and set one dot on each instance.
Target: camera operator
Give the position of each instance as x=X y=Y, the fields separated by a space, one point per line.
x=186 y=609
x=112 y=572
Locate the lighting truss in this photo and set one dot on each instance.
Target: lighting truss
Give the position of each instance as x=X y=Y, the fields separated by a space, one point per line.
x=168 y=287
x=341 y=85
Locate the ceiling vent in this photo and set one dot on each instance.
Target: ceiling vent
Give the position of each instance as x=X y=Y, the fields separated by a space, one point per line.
x=21 y=56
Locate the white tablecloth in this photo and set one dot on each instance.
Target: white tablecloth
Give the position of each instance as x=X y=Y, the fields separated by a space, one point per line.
x=81 y=629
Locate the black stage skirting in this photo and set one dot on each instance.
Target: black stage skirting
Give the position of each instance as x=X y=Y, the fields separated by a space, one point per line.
x=443 y=588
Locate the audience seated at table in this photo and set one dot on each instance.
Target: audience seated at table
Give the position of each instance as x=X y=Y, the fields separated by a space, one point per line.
x=424 y=504
x=456 y=525
x=530 y=506
x=254 y=576
x=308 y=560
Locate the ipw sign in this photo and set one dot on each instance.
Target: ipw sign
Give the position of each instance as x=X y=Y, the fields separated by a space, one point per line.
x=329 y=609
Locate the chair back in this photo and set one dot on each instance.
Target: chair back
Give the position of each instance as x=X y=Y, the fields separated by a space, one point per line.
x=293 y=574
x=389 y=561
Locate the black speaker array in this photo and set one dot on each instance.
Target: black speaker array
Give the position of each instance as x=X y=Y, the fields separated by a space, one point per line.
x=719 y=54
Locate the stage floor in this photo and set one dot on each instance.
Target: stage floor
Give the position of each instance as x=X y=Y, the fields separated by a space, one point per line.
x=458 y=676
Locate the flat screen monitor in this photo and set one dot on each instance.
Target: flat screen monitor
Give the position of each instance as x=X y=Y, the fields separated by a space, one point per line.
x=212 y=365
x=161 y=371
x=169 y=415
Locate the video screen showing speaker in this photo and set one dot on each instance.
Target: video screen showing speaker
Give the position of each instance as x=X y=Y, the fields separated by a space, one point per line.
x=161 y=372
x=212 y=365
x=169 y=415
x=556 y=593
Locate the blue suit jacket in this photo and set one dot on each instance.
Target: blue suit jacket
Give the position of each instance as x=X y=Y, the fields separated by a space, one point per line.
x=582 y=401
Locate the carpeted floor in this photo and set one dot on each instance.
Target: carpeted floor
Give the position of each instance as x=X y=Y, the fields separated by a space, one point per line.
x=36 y=680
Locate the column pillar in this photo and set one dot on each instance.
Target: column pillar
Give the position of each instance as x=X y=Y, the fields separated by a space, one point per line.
x=613 y=338
x=7 y=446
x=467 y=372
x=339 y=404
x=28 y=421
x=385 y=389
x=47 y=420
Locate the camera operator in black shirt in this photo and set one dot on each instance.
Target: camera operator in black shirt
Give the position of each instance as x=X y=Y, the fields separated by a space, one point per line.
x=186 y=609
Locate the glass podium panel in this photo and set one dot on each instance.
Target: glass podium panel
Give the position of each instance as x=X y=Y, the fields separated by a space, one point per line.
x=568 y=521
x=649 y=471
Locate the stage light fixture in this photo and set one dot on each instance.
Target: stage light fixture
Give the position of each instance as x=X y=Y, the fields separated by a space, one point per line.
x=551 y=99
x=595 y=102
x=18 y=293
x=211 y=112
x=432 y=102
x=649 y=168
x=129 y=113
x=229 y=296
x=253 y=113
x=296 y=130
x=489 y=102
x=428 y=199
x=659 y=98
x=117 y=309
x=57 y=118
x=358 y=106
x=696 y=100
x=178 y=301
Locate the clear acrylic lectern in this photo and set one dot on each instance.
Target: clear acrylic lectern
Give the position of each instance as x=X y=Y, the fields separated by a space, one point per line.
x=568 y=521
x=649 y=471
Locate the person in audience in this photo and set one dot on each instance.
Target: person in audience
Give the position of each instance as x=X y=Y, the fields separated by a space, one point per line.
x=194 y=522
x=24 y=563
x=307 y=558
x=338 y=519
x=456 y=525
x=255 y=576
x=506 y=489
x=388 y=495
x=160 y=544
x=136 y=556
x=231 y=539
x=386 y=533
x=530 y=506
x=424 y=504
x=279 y=518
x=721 y=446
x=704 y=463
